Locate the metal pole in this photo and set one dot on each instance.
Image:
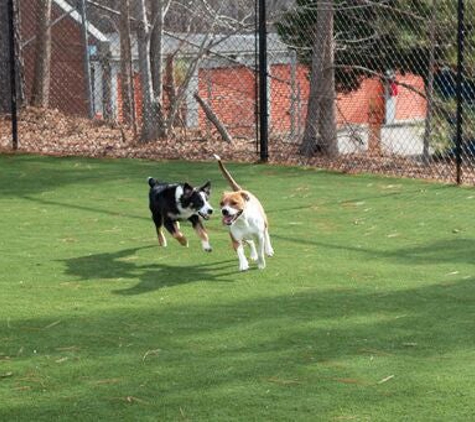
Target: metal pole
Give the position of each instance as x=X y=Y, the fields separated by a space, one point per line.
x=87 y=61
x=13 y=82
x=256 y=72
x=460 y=93
x=263 y=94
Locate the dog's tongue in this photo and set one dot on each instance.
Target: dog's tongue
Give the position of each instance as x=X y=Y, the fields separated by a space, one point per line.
x=227 y=219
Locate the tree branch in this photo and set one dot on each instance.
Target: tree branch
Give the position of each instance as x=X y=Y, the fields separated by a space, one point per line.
x=213 y=118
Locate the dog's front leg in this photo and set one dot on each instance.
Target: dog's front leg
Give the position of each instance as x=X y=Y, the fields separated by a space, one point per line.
x=239 y=248
x=172 y=227
x=261 y=261
x=253 y=255
x=201 y=232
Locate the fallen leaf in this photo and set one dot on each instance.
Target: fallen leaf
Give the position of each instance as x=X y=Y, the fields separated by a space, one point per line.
x=284 y=381
x=53 y=324
x=349 y=381
x=6 y=375
x=390 y=377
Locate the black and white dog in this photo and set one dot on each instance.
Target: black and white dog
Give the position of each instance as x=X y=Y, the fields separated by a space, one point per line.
x=174 y=202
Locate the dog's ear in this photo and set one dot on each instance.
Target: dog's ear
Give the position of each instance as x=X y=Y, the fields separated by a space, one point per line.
x=187 y=190
x=245 y=196
x=206 y=188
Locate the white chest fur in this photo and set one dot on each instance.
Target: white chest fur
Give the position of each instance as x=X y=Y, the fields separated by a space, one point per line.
x=250 y=224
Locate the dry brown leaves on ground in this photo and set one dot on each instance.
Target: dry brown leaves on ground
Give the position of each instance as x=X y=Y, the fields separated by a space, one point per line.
x=49 y=132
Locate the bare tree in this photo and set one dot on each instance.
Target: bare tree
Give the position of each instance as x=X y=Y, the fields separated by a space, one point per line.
x=126 y=63
x=41 y=76
x=159 y=10
x=156 y=122
x=328 y=132
x=152 y=124
x=320 y=124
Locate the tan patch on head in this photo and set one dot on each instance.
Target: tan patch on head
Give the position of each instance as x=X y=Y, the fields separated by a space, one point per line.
x=236 y=200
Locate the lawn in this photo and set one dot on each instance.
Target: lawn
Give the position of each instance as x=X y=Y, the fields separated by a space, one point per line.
x=366 y=312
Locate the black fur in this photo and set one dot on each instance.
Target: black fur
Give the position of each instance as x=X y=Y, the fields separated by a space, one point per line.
x=167 y=209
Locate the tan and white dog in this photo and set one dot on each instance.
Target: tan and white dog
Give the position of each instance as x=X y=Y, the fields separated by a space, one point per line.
x=244 y=215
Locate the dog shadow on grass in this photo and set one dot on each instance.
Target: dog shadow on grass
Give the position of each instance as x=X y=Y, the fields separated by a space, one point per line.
x=123 y=265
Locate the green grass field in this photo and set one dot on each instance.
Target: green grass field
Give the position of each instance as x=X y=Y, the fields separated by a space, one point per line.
x=365 y=313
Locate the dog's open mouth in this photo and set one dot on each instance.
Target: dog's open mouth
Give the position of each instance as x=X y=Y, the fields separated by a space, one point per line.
x=230 y=219
x=203 y=215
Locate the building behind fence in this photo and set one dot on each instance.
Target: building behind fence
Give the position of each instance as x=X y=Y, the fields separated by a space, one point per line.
x=393 y=84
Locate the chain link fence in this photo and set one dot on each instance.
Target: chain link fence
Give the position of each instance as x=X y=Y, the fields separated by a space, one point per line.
x=373 y=86
x=355 y=85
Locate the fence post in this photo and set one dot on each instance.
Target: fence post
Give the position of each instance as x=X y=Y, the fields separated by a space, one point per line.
x=13 y=81
x=263 y=93
x=460 y=88
x=256 y=74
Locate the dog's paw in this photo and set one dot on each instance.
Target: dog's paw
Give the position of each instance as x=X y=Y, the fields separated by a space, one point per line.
x=243 y=266
x=261 y=265
x=270 y=252
x=206 y=246
x=253 y=256
x=183 y=242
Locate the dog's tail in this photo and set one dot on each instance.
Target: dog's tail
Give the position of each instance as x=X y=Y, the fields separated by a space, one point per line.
x=151 y=181
x=227 y=175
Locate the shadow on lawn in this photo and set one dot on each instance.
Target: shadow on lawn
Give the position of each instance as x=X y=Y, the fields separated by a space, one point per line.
x=87 y=209
x=29 y=174
x=121 y=265
x=23 y=175
x=327 y=324
x=450 y=251
x=313 y=337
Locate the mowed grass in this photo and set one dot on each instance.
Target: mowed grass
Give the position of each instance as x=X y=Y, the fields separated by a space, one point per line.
x=366 y=312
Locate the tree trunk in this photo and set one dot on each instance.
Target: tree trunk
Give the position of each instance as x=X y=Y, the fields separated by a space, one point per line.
x=320 y=126
x=328 y=142
x=375 y=123
x=41 y=76
x=170 y=83
x=156 y=48
x=105 y=61
x=159 y=11
x=126 y=71
x=152 y=126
